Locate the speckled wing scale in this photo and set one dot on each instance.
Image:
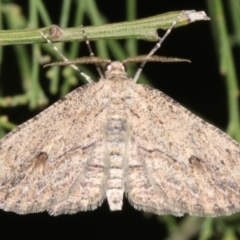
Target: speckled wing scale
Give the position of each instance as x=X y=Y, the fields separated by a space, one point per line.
x=114 y=137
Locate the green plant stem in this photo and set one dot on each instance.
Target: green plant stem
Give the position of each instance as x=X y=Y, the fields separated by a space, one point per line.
x=223 y=45
x=141 y=29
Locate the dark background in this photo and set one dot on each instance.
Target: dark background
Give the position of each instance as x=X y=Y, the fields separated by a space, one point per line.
x=198 y=86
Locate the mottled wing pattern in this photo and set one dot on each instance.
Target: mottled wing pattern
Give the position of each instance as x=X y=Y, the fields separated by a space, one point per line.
x=173 y=162
x=54 y=162
x=178 y=163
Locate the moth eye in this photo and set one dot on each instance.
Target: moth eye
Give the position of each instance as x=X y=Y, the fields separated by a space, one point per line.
x=124 y=67
x=108 y=67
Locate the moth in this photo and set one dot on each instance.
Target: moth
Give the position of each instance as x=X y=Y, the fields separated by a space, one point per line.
x=116 y=137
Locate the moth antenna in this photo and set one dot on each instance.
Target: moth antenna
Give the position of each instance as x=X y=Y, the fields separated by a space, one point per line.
x=88 y=78
x=98 y=67
x=156 y=47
